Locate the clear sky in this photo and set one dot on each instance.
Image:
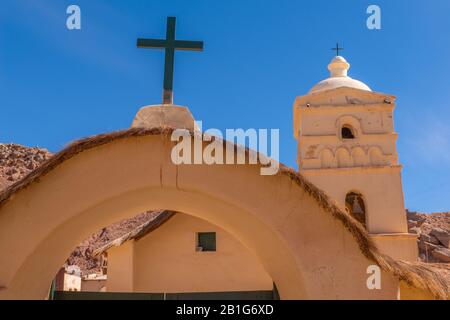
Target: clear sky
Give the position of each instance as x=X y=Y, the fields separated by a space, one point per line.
x=58 y=85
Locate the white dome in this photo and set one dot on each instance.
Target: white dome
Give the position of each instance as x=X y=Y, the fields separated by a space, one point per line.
x=338 y=77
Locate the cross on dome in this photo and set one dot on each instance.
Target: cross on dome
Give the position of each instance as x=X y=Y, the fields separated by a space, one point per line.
x=337 y=49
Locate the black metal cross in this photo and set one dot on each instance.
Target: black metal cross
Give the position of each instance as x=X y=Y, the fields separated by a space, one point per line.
x=170 y=45
x=337 y=49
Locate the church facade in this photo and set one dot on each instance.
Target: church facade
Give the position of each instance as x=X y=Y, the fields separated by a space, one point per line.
x=321 y=232
x=346 y=147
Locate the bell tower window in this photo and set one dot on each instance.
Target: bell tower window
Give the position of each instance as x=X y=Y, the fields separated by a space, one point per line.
x=347 y=133
x=355 y=206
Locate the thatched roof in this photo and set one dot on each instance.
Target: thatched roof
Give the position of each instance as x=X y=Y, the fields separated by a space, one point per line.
x=419 y=275
x=137 y=232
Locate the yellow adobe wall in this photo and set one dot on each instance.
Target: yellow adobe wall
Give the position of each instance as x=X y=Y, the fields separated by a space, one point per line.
x=381 y=188
x=400 y=246
x=121 y=268
x=166 y=261
x=307 y=252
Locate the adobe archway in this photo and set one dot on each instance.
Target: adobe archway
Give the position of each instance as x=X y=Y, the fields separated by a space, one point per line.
x=95 y=182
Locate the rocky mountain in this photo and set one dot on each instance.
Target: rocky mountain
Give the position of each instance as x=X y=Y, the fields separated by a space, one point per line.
x=17 y=161
x=434 y=235
x=82 y=255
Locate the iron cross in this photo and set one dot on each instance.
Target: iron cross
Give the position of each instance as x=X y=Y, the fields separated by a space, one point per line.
x=337 y=49
x=170 y=45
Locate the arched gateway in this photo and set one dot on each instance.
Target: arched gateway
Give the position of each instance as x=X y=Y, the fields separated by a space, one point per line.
x=310 y=247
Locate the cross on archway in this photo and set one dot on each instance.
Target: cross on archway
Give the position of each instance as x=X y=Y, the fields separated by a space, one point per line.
x=170 y=45
x=337 y=49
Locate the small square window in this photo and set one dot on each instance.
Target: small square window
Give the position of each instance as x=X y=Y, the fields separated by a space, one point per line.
x=206 y=241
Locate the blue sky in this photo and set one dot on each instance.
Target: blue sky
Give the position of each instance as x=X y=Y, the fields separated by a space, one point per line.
x=58 y=85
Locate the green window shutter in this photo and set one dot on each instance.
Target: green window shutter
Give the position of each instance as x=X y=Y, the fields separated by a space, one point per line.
x=207 y=241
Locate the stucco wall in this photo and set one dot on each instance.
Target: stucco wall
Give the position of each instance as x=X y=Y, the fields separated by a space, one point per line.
x=121 y=268
x=380 y=187
x=401 y=246
x=307 y=252
x=166 y=261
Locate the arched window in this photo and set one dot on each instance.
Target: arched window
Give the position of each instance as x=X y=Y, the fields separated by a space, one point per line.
x=347 y=133
x=355 y=206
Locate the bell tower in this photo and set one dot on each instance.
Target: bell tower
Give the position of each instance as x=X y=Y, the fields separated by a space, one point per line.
x=347 y=147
